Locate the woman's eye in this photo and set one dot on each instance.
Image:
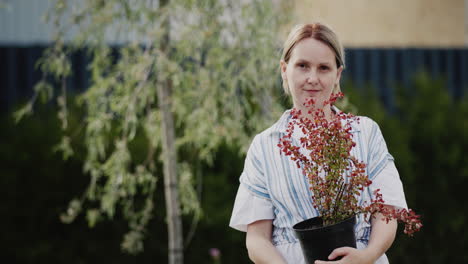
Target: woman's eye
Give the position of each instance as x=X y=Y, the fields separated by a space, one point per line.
x=302 y=65
x=324 y=68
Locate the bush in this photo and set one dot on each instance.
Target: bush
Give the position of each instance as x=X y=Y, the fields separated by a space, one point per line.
x=428 y=137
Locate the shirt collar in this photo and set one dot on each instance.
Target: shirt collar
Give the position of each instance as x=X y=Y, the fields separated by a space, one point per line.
x=282 y=124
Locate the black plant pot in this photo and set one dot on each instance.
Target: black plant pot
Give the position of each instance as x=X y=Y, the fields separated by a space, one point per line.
x=318 y=241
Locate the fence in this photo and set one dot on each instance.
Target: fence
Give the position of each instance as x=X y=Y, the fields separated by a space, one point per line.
x=383 y=69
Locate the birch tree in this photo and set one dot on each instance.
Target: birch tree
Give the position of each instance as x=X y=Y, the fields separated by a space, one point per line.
x=182 y=74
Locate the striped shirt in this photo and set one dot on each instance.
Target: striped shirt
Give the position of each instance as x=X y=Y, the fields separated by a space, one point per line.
x=274 y=178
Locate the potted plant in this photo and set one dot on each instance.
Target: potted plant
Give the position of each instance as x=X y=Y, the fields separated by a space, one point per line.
x=336 y=179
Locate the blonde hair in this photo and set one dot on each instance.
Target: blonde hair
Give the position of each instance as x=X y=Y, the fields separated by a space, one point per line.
x=319 y=32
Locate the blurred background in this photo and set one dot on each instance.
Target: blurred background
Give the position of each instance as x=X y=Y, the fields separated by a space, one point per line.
x=407 y=68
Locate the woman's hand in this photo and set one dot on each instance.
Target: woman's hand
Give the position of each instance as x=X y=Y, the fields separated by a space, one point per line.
x=349 y=256
x=381 y=238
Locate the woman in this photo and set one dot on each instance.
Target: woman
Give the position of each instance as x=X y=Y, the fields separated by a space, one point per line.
x=274 y=195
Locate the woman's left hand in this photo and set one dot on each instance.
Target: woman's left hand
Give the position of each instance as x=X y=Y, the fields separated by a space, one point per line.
x=350 y=256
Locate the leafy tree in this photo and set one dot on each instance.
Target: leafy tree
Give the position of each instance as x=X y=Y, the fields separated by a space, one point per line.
x=185 y=75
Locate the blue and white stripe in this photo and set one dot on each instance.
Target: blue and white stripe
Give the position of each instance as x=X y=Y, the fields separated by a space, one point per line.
x=270 y=175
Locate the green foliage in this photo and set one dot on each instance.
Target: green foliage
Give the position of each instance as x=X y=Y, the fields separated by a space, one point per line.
x=221 y=59
x=34 y=196
x=428 y=137
x=38 y=185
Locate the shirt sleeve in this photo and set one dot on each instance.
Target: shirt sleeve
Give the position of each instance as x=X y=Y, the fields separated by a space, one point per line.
x=249 y=208
x=382 y=170
x=378 y=155
x=253 y=201
x=390 y=185
x=253 y=177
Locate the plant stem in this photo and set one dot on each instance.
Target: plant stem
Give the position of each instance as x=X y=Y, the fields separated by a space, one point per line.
x=338 y=198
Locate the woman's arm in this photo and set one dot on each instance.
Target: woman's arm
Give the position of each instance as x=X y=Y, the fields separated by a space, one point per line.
x=382 y=235
x=259 y=245
x=381 y=238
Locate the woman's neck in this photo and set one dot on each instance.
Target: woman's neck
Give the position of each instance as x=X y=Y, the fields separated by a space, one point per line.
x=327 y=110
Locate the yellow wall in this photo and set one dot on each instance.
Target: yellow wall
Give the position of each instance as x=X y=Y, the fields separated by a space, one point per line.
x=389 y=23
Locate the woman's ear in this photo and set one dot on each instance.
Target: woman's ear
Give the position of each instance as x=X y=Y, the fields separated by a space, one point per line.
x=338 y=75
x=283 y=66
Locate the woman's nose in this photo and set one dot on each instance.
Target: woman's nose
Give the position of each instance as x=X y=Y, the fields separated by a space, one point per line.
x=312 y=77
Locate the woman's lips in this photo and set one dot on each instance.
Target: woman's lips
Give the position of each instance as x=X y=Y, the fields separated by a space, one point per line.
x=312 y=92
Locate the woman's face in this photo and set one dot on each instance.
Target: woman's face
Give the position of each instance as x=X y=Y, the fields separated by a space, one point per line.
x=311 y=72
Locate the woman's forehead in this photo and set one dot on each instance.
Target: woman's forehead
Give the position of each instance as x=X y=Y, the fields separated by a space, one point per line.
x=312 y=50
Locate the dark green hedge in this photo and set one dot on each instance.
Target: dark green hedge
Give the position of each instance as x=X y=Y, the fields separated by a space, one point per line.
x=428 y=137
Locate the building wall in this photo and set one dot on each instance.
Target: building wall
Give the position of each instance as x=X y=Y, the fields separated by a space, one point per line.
x=466 y=22
x=391 y=23
x=360 y=23
x=22 y=22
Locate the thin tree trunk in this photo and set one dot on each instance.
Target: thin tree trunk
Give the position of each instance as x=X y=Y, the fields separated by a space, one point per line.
x=171 y=191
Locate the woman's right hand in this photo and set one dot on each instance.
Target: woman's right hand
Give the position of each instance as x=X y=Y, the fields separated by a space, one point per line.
x=259 y=246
